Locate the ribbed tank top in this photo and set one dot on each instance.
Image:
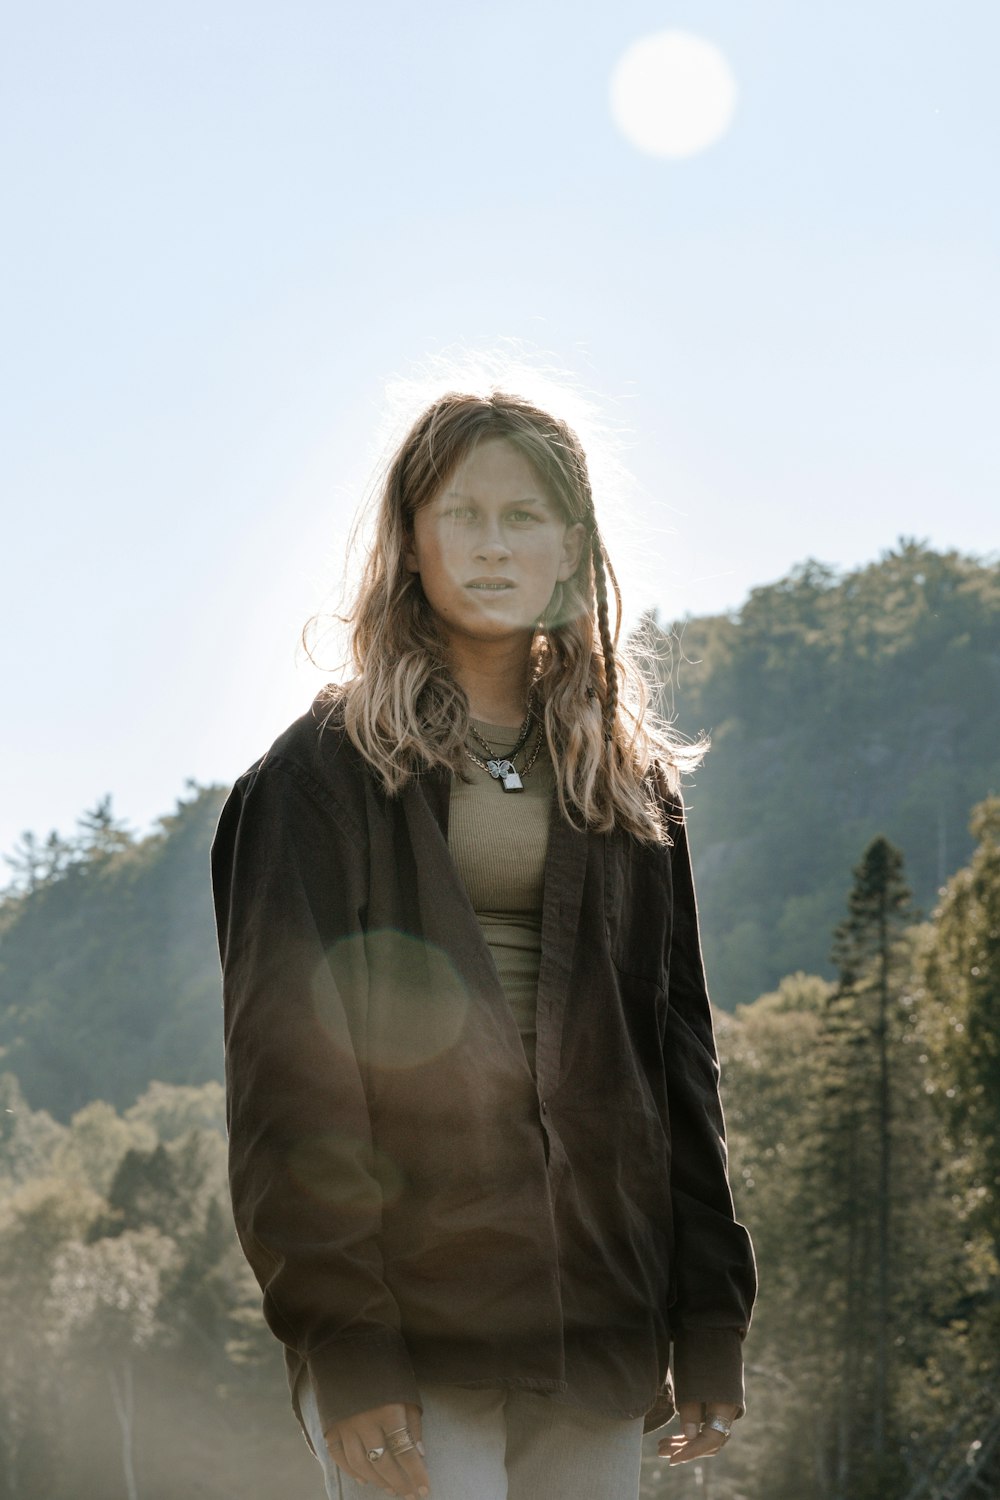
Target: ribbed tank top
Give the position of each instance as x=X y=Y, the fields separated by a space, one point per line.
x=498 y=841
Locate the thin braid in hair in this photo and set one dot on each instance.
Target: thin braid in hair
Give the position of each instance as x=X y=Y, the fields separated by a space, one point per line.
x=601 y=570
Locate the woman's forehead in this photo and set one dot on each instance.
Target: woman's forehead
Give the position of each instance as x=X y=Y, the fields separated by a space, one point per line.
x=495 y=459
x=498 y=466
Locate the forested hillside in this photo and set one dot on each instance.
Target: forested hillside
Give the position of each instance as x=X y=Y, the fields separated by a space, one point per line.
x=135 y=1360
x=838 y=707
x=849 y=716
x=109 y=973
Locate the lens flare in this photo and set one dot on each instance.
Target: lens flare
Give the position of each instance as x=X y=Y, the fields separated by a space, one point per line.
x=406 y=1000
x=672 y=94
x=345 y=1173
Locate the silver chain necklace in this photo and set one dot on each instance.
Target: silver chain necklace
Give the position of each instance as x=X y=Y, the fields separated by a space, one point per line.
x=502 y=767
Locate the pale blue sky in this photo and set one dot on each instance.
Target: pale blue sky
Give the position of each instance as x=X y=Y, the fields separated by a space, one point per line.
x=227 y=225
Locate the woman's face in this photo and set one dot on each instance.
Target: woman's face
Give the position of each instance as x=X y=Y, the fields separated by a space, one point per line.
x=491 y=546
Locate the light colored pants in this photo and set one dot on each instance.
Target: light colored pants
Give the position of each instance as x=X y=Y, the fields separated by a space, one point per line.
x=506 y=1445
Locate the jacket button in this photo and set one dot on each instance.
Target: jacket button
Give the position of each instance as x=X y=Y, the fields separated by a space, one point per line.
x=545 y=1107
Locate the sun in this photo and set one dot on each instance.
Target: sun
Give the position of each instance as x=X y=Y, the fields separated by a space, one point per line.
x=672 y=94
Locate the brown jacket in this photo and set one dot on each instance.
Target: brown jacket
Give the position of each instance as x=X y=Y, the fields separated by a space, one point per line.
x=413 y=1205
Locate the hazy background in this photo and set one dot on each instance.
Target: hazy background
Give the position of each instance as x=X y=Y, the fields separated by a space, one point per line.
x=227 y=229
x=228 y=225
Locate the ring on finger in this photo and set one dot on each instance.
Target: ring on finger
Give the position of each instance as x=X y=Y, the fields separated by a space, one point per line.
x=374 y=1454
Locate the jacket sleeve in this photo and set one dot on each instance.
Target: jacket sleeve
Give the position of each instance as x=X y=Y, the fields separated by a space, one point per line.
x=716 y=1279
x=288 y=883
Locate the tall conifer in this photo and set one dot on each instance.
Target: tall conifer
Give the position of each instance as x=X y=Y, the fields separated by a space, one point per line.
x=864 y=951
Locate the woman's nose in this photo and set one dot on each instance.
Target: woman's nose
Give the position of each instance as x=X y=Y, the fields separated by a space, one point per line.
x=491 y=543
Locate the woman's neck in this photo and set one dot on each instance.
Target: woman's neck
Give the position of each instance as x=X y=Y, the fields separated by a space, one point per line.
x=495 y=676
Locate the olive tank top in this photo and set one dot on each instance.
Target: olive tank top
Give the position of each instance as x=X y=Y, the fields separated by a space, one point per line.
x=498 y=841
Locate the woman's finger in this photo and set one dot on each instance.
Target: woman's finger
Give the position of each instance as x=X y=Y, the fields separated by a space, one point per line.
x=336 y=1450
x=397 y=1473
x=356 y=1461
x=701 y=1440
x=379 y=1447
x=401 y=1468
x=409 y=1458
x=414 y=1420
x=683 y=1450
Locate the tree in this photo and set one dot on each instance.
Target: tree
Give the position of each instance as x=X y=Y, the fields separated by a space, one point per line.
x=106 y=1297
x=961 y=973
x=864 y=951
x=37 y=862
x=101 y=833
x=29 y=1138
x=110 y=975
x=769 y=1052
x=97 y=1140
x=171 y=1109
x=963 y=976
x=839 y=706
x=37 y=1221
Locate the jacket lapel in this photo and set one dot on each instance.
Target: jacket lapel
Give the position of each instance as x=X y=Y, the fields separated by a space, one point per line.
x=565 y=874
x=448 y=920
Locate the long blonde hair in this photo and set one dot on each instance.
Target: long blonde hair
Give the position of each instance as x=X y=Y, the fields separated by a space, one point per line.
x=403 y=709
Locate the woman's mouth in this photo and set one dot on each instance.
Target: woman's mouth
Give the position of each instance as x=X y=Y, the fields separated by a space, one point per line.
x=490 y=585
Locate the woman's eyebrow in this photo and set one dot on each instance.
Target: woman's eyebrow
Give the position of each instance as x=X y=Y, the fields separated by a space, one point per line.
x=526 y=500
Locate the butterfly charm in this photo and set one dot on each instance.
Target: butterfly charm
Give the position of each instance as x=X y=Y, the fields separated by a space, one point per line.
x=504 y=772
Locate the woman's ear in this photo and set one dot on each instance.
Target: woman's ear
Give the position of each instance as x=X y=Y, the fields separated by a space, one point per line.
x=572 y=551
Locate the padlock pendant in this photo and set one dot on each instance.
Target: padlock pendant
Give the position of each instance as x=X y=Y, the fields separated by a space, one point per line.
x=504 y=772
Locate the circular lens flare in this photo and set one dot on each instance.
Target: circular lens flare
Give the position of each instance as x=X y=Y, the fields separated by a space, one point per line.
x=673 y=94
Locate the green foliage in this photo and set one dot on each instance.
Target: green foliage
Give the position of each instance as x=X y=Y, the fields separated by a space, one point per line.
x=839 y=706
x=94 y=1144
x=877 y=906
x=801 y=1071
x=130 y=1308
x=27 y=1138
x=126 y=1305
x=171 y=1110
x=108 y=967
x=962 y=974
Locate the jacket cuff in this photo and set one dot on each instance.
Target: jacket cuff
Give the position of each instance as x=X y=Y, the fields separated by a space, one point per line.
x=355 y=1375
x=708 y=1366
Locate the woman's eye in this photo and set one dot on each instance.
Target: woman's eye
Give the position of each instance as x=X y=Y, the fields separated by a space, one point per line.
x=523 y=515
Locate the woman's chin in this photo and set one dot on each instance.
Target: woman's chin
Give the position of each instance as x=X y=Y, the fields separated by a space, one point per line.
x=491 y=625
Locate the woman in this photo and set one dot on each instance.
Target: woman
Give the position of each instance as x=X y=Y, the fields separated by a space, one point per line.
x=477 y=1154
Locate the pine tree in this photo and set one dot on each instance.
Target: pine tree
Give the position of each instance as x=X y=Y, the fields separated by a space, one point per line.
x=101 y=833
x=27 y=862
x=861 y=1166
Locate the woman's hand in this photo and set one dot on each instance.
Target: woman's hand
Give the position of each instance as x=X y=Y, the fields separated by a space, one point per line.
x=363 y=1446
x=694 y=1439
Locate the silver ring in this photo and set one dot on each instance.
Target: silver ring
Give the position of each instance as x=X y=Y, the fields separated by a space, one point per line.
x=374 y=1454
x=719 y=1424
